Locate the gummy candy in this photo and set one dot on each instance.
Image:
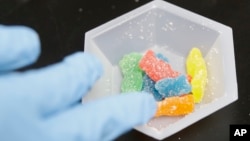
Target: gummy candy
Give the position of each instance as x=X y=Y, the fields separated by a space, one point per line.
x=189 y=77
x=132 y=74
x=132 y=82
x=129 y=63
x=175 y=93
x=175 y=106
x=149 y=86
x=156 y=68
x=162 y=57
x=196 y=68
x=173 y=86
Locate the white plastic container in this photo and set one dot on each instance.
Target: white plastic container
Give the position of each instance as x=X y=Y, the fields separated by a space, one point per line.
x=173 y=31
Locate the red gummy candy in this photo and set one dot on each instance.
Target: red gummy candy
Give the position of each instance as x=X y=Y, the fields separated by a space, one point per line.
x=155 y=68
x=189 y=78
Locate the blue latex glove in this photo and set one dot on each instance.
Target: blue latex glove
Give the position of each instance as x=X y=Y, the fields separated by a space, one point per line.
x=43 y=104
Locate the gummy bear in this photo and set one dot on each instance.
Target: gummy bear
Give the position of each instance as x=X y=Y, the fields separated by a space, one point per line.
x=149 y=86
x=129 y=63
x=162 y=57
x=132 y=82
x=156 y=68
x=196 y=68
x=132 y=74
x=173 y=86
x=175 y=106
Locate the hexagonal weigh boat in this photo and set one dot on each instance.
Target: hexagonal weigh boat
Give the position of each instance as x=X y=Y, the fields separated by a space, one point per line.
x=173 y=31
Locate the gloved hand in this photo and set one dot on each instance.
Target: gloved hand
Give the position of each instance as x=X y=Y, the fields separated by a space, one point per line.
x=43 y=104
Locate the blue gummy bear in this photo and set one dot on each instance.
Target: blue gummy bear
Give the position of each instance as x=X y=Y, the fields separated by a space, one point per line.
x=173 y=86
x=162 y=57
x=149 y=86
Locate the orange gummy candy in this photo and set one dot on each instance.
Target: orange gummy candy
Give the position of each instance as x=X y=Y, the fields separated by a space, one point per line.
x=156 y=68
x=175 y=106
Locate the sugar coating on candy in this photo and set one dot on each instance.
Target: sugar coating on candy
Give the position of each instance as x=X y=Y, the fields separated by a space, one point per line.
x=175 y=106
x=132 y=74
x=156 y=68
x=149 y=86
x=196 y=68
x=173 y=86
x=153 y=73
x=129 y=63
x=132 y=83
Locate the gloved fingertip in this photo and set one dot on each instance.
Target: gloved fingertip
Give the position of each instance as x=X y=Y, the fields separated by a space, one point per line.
x=19 y=47
x=31 y=40
x=148 y=104
x=151 y=106
x=107 y=118
x=86 y=62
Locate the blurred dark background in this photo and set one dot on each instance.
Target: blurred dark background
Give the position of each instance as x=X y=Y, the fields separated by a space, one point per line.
x=61 y=25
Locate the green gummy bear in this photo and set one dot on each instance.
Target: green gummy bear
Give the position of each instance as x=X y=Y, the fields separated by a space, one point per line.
x=132 y=74
x=132 y=83
x=129 y=63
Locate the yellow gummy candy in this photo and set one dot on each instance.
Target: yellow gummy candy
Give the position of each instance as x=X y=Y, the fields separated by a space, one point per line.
x=196 y=68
